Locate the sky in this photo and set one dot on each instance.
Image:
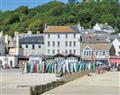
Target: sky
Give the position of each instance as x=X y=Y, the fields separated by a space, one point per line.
x=13 y=4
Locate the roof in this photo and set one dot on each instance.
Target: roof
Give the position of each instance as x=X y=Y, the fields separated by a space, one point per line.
x=114 y=36
x=71 y=55
x=59 y=55
x=62 y=29
x=1 y=39
x=97 y=46
x=105 y=26
x=94 y=32
x=36 y=39
x=11 y=43
x=95 y=39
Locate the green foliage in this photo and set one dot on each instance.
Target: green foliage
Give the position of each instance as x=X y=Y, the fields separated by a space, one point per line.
x=22 y=10
x=58 y=13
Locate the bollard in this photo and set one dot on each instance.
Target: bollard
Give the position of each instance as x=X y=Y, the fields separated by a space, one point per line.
x=48 y=86
x=38 y=89
x=54 y=84
x=43 y=88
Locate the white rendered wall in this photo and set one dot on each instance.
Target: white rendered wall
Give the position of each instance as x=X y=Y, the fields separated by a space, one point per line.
x=7 y=59
x=116 y=44
x=62 y=40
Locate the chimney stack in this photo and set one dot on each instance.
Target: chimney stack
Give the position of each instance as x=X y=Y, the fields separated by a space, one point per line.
x=1 y=34
x=29 y=32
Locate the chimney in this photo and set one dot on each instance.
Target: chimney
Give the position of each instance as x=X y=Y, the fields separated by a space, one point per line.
x=6 y=39
x=17 y=44
x=38 y=32
x=45 y=28
x=79 y=27
x=106 y=23
x=29 y=32
x=1 y=34
x=16 y=33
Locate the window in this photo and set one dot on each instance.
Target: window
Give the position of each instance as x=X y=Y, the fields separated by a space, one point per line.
x=65 y=51
x=87 y=53
x=26 y=46
x=66 y=35
x=74 y=35
x=48 y=35
x=74 y=43
x=70 y=43
x=58 y=51
x=20 y=46
x=104 y=53
x=33 y=46
x=84 y=53
x=66 y=43
x=70 y=51
x=39 y=46
x=53 y=52
x=119 y=47
x=48 y=51
x=58 y=35
x=53 y=43
x=11 y=63
x=58 y=43
x=96 y=53
x=74 y=51
x=119 y=53
x=48 y=43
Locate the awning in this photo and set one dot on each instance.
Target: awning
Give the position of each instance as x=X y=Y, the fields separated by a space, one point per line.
x=114 y=60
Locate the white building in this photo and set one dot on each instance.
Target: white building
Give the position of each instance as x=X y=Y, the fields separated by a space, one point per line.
x=2 y=47
x=9 y=61
x=32 y=44
x=62 y=40
x=8 y=55
x=103 y=28
x=116 y=44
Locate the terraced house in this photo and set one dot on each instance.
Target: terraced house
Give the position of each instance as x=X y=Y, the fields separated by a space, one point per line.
x=62 y=39
x=95 y=48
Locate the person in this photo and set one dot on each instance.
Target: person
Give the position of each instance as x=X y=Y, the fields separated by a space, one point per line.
x=22 y=67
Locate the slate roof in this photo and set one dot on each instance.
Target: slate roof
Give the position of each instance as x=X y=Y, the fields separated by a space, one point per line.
x=1 y=39
x=38 y=39
x=95 y=39
x=106 y=27
x=92 y=31
x=97 y=46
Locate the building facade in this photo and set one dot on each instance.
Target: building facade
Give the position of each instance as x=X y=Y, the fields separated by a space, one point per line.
x=2 y=47
x=103 y=28
x=32 y=44
x=94 y=49
x=116 y=47
x=62 y=40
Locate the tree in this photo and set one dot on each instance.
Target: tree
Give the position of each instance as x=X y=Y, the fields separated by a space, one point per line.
x=72 y=1
x=22 y=10
x=109 y=18
x=12 y=19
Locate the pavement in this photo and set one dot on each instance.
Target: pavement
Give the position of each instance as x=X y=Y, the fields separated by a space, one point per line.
x=13 y=82
x=97 y=84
